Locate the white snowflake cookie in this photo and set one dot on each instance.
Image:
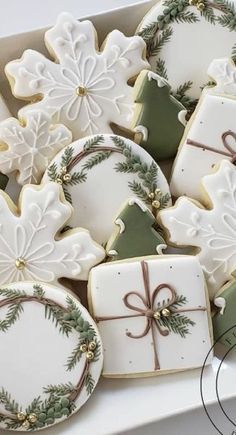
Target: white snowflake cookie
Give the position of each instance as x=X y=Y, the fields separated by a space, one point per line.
x=212 y=231
x=99 y=173
x=84 y=89
x=31 y=247
x=31 y=144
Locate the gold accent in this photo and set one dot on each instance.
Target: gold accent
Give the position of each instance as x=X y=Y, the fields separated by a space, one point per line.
x=63 y=170
x=21 y=416
x=32 y=418
x=192 y=2
x=151 y=195
x=20 y=263
x=157 y=191
x=83 y=348
x=59 y=180
x=81 y=91
x=201 y=6
x=157 y=315
x=26 y=424
x=67 y=177
x=166 y=312
x=92 y=345
x=90 y=355
x=156 y=204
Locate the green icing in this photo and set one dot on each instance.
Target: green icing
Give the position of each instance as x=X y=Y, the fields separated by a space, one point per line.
x=139 y=237
x=222 y=322
x=159 y=115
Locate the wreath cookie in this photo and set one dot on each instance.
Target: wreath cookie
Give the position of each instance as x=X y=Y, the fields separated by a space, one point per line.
x=183 y=36
x=99 y=173
x=84 y=89
x=51 y=356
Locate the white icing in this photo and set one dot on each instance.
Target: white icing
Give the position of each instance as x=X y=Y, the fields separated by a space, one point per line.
x=97 y=199
x=31 y=147
x=31 y=236
x=182 y=117
x=223 y=72
x=112 y=253
x=190 y=63
x=139 y=203
x=160 y=248
x=220 y=303
x=121 y=224
x=108 y=97
x=127 y=356
x=35 y=352
x=212 y=231
x=143 y=130
x=161 y=82
x=214 y=116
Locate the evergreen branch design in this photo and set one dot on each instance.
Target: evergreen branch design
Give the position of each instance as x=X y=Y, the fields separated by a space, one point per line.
x=67 y=195
x=89 y=383
x=67 y=156
x=93 y=142
x=233 y=54
x=96 y=159
x=13 y=314
x=9 y=404
x=38 y=291
x=74 y=358
x=156 y=44
x=56 y=314
x=59 y=390
x=186 y=17
x=161 y=68
x=177 y=323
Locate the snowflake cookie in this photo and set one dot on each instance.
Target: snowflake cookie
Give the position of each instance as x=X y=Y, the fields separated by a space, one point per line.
x=224 y=319
x=150 y=319
x=51 y=378
x=99 y=173
x=178 y=43
x=31 y=247
x=212 y=231
x=31 y=144
x=84 y=89
x=210 y=135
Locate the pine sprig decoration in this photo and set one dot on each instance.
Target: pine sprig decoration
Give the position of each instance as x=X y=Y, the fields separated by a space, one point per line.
x=38 y=291
x=34 y=407
x=67 y=195
x=149 y=32
x=186 y=17
x=96 y=159
x=59 y=390
x=74 y=358
x=208 y=14
x=161 y=68
x=139 y=191
x=67 y=156
x=76 y=178
x=9 y=404
x=177 y=323
x=233 y=54
x=89 y=383
x=12 y=316
x=93 y=142
x=57 y=315
x=156 y=44
x=53 y=172
x=179 y=301
x=11 y=293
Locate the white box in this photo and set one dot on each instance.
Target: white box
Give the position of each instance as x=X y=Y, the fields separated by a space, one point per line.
x=118 y=406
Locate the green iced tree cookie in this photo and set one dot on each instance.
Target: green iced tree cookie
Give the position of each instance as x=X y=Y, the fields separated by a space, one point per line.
x=159 y=118
x=135 y=234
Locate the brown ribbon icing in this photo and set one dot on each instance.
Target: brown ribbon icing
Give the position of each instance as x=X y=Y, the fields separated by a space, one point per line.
x=230 y=152
x=148 y=310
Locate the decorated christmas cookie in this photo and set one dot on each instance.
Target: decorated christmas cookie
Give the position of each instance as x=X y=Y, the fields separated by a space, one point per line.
x=183 y=36
x=28 y=146
x=99 y=173
x=135 y=233
x=224 y=322
x=211 y=231
x=150 y=319
x=159 y=117
x=31 y=247
x=51 y=356
x=84 y=89
x=210 y=135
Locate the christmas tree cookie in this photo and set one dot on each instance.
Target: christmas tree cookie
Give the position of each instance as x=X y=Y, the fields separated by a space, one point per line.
x=135 y=233
x=99 y=173
x=84 y=88
x=51 y=356
x=31 y=244
x=158 y=118
x=179 y=47
x=224 y=322
x=210 y=231
x=150 y=319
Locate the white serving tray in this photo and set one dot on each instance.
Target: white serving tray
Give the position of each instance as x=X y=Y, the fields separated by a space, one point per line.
x=170 y=404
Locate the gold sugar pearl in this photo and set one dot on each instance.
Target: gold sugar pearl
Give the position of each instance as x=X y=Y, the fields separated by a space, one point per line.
x=32 y=418
x=201 y=6
x=156 y=204
x=157 y=315
x=151 y=195
x=20 y=263
x=90 y=355
x=92 y=345
x=81 y=91
x=59 y=180
x=157 y=191
x=63 y=170
x=166 y=312
x=21 y=416
x=83 y=348
x=67 y=177
x=26 y=424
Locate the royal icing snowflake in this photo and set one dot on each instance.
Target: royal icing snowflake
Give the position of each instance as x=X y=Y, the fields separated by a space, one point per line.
x=84 y=89
x=31 y=247
x=213 y=230
x=31 y=145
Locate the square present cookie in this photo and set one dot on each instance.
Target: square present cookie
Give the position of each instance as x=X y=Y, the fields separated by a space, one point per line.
x=152 y=314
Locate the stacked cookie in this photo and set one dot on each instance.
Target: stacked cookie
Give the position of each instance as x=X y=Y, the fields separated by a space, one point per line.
x=85 y=153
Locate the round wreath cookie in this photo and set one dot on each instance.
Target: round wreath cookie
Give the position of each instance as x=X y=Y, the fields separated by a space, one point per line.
x=84 y=89
x=51 y=356
x=99 y=173
x=183 y=36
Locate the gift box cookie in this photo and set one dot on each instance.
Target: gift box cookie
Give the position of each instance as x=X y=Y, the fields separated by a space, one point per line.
x=152 y=314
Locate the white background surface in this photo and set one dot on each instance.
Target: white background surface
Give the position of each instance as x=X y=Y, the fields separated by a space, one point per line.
x=24 y=15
